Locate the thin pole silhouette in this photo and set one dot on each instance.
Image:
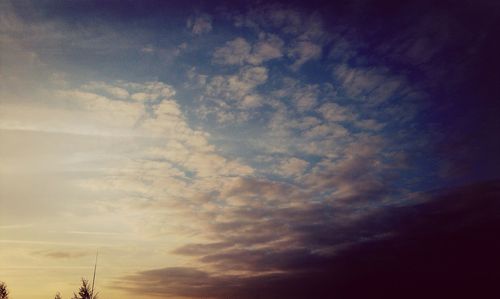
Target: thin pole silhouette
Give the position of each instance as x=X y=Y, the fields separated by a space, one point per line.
x=93 y=279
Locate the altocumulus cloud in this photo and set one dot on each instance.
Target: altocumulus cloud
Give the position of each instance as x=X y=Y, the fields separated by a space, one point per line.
x=270 y=150
x=346 y=225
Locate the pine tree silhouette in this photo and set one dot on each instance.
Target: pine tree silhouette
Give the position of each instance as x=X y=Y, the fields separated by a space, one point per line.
x=4 y=293
x=85 y=291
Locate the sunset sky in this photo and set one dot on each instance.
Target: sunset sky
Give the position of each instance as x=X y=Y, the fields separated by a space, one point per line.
x=248 y=149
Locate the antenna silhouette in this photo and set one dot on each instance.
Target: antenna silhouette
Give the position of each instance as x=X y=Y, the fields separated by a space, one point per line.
x=93 y=279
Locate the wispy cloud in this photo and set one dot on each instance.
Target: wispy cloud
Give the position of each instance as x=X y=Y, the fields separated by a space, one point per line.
x=304 y=51
x=66 y=254
x=200 y=24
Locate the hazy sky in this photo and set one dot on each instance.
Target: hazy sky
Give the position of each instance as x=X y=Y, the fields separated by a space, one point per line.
x=247 y=149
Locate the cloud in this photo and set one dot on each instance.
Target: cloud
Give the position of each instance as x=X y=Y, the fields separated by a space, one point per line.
x=110 y=90
x=251 y=101
x=261 y=227
x=116 y=113
x=254 y=187
x=286 y=19
x=152 y=158
x=323 y=130
x=268 y=47
x=293 y=167
x=200 y=249
x=425 y=247
x=241 y=182
x=200 y=24
x=372 y=85
x=97 y=108
x=74 y=111
x=60 y=254
x=306 y=97
x=235 y=87
x=357 y=175
x=234 y=52
x=239 y=51
x=302 y=52
x=369 y=124
x=230 y=97
x=335 y=113
x=305 y=31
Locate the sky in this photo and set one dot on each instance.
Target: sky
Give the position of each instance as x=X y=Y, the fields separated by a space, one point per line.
x=250 y=149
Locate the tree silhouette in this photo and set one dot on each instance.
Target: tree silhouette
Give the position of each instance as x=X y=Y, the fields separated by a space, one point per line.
x=4 y=293
x=85 y=291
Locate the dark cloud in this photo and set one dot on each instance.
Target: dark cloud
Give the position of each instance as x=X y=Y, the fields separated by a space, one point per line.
x=200 y=249
x=446 y=246
x=448 y=51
